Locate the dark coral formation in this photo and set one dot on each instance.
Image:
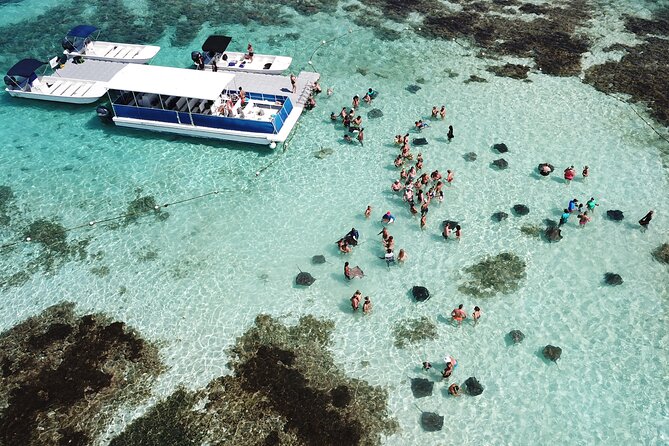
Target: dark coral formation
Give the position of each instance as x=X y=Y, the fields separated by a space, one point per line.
x=514 y=71
x=141 y=206
x=63 y=375
x=661 y=253
x=410 y=331
x=494 y=274
x=6 y=196
x=285 y=389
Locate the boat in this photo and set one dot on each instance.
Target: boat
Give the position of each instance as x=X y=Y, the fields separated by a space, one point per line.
x=79 y=43
x=22 y=81
x=206 y=104
x=214 y=55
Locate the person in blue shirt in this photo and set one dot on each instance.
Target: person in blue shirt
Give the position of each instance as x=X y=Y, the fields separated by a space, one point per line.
x=564 y=218
x=571 y=207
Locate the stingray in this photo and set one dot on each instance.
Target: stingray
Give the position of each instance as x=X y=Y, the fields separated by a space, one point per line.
x=420 y=293
x=421 y=387
x=323 y=153
x=413 y=88
x=552 y=353
x=474 y=387
x=470 y=156
x=356 y=272
x=304 y=279
x=431 y=421
x=520 y=209
x=615 y=215
x=499 y=216
x=501 y=148
x=318 y=260
x=613 y=279
x=374 y=113
x=500 y=164
x=516 y=336
x=419 y=141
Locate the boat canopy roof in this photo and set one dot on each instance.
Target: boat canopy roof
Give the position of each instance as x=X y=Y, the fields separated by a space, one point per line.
x=82 y=31
x=217 y=44
x=25 y=67
x=169 y=81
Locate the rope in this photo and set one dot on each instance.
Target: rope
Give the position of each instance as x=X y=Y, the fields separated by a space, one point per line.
x=639 y=115
x=325 y=42
x=92 y=223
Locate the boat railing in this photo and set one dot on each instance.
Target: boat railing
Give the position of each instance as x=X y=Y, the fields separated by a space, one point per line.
x=194 y=112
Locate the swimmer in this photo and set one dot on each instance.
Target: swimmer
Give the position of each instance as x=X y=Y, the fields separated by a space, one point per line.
x=424 y=209
x=343 y=246
x=449 y=176
x=361 y=136
x=390 y=243
x=403 y=174
x=352 y=237
x=442 y=112
x=586 y=172
x=356 y=101
x=459 y=314
x=569 y=174
x=571 y=207
x=372 y=93
x=367 y=306
x=384 y=234
x=645 y=221
x=347 y=271
x=413 y=209
x=389 y=256
x=402 y=256
x=330 y=91
x=343 y=113
x=427 y=366
x=398 y=139
x=399 y=161
x=368 y=211
x=367 y=98
x=435 y=112
x=423 y=221
x=476 y=315
x=333 y=116
x=348 y=138
x=583 y=219
x=450 y=134
x=564 y=217
x=408 y=195
x=591 y=204
x=388 y=218
x=435 y=176
x=405 y=139
x=454 y=389
x=545 y=169
x=397 y=186
x=458 y=232
x=419 y=164
x=447 y=371
x=316 y=87
x=446 y=231
x=355 y=300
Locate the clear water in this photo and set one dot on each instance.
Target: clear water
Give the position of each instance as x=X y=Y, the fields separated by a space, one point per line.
x=224 y=258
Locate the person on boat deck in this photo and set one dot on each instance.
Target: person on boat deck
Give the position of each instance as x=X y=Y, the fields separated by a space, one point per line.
x=200 y=62
x=249 y=50
x=214 y=67
x=242 y=96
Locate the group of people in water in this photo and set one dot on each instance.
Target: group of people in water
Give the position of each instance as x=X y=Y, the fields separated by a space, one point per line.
x=352 y=123
x=355 y=302
x=569 y=174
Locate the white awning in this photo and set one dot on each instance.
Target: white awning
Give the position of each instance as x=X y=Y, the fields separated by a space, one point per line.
x=169 y=81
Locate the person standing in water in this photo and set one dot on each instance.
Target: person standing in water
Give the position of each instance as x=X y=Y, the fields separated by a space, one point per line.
x=450 y=133
x=402 y=256
x=645 y=221
x=361 y=135
x=586 y=172
x=355 y=300
x=368 y=211
x=591 y=204
x=476 y=315
x=459 y=314
x=564 y=217
x=367 y=306
x=569 y=174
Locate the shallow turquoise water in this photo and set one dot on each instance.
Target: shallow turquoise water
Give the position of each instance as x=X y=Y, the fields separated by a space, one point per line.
x=225 y=258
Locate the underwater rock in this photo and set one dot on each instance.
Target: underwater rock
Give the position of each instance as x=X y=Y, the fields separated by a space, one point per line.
x=341 y=396
x=615 y=215
x=421 y=387
x=553 y=234
x=64 y=376
x=431 y=422
x=552 y=353
x=501 y=164
x=413 y=88
x=323 y=153
x=420 y=293
x=513 y=71
x=419 y=141
x=516 y=336
x=474 y=388
x=374 y=113
x=499 y=216
x=494 y=274
x=304 y=279
x=613 y=279
x=520 y=209
x=49 y=234
x=470 y=156
x=411 y=331
x=318 y=259
x=501 y=148
x=661 y=253
x=531 y=8
x=141 y=206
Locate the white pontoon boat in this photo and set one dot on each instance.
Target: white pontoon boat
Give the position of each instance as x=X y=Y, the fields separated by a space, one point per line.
x=215 y=58
x=79 y=43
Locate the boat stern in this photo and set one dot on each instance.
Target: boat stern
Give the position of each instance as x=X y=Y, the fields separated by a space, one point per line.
x=148 y=52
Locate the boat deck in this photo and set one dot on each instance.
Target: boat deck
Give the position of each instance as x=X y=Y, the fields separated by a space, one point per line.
x=273 y=84
x=90 y=70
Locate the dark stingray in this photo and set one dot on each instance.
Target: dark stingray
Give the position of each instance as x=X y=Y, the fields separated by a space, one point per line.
x=374 y=113
x=304 y=279
x=470 y=156
x=500 y=163
x=552 y=353
x=553 y=234
x=615 y=215
x=318 y=260
x=520 y=209
x=431 y=421
x=499 y=216
x=501 y=148
x=474 y=387
x=421 y=387
x=613 y=279
x=419 y=141
x=413 y=88
x=516 y=336
x=420 y=293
